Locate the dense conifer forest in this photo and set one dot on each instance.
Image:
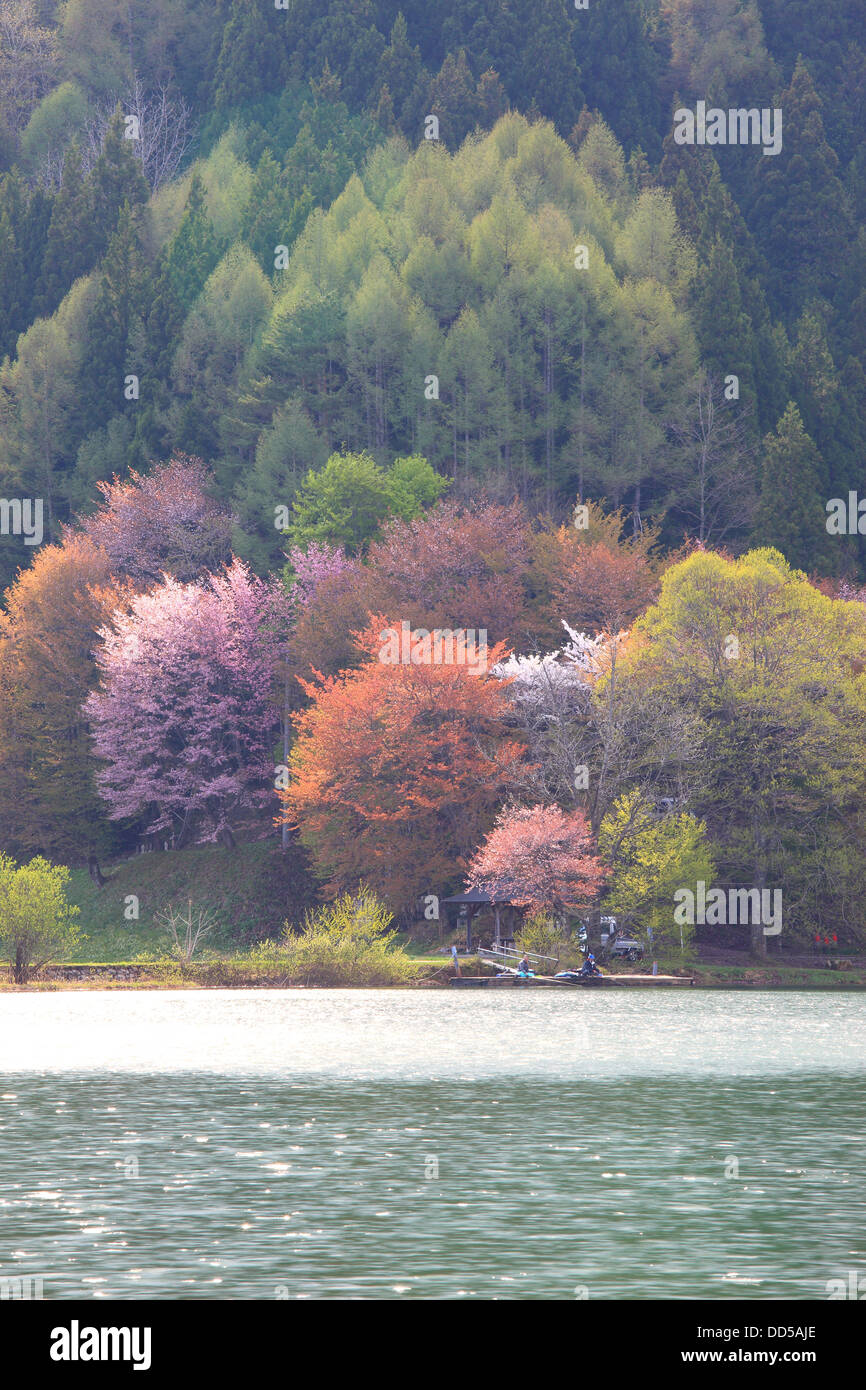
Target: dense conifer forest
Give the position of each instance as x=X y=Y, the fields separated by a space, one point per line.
x=283 y=260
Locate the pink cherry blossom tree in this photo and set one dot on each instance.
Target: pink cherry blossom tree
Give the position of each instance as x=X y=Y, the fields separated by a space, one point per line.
x=312 y=567
x=539 y=857
x=186 y=716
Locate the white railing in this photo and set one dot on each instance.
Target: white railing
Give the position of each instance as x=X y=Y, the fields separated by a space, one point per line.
x=510 y=955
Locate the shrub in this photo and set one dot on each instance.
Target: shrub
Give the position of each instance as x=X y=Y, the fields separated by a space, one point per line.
x=347 y=942
x=541 y=934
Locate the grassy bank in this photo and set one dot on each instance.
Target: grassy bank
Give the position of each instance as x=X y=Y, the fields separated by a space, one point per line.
x=347 y=942
x=247 y=971
x=252 y=890
x=778 y=977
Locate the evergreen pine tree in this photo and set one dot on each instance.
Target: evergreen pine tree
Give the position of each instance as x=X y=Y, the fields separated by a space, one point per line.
x=250 y=59
x=791 y=514
x=266 y=218
x=116 y=315
x=195 y=248
x=549 y=73
x=724 y=331
x=851 y=433
x=399 y=69
x=33 y=236
x=815 y=384
x=615 y=55
x=71 y=243
x=24 y=217
x=452 y=99
x=116 y=179
x=179 y=277
x=801 y=212
x=11 y=276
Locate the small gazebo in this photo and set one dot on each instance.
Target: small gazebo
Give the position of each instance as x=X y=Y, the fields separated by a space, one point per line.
x=474 y=902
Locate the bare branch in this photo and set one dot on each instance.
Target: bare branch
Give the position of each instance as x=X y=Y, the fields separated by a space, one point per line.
x=165 y=131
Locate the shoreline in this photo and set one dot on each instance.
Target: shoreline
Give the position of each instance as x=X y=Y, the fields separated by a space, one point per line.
x=96 y=978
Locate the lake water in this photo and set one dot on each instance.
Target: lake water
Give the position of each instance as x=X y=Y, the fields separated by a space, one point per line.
x=390 y=1144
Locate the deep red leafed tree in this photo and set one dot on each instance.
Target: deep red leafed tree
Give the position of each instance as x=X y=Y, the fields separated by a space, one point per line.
x=332 y=597
x=539 y=857
x=604 y=587
x=457 y=567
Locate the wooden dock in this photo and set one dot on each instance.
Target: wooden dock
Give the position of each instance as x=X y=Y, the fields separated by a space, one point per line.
x=647 y=980
x=591 y=982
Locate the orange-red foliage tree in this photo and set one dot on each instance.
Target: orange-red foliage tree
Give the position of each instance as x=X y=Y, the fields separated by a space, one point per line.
x=599 y=579
x=322 y=639
x=398 y=770
x=539 y=857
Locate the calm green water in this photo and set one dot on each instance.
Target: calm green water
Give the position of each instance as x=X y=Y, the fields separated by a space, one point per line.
x=380 y=1144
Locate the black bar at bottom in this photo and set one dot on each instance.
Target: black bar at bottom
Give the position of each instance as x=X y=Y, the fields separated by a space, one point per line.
x=225 y=1339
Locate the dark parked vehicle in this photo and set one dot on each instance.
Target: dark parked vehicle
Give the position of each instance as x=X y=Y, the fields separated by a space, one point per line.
x=625 y=947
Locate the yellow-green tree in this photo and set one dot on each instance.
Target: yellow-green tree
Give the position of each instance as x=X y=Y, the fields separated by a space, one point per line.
x=344 y=502
x=37 y=923
x=652 y=855
x=773 y=669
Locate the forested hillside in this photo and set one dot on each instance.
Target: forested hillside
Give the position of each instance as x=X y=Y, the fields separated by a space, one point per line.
x=283 y=261
x=321 y=319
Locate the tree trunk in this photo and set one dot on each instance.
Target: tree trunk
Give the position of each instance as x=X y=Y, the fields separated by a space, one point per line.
x=94 y=870
x=581 y=435
x=548 y=394
x=636 y=517
x=758 y=938
x=181 y=836
x=284 y=836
